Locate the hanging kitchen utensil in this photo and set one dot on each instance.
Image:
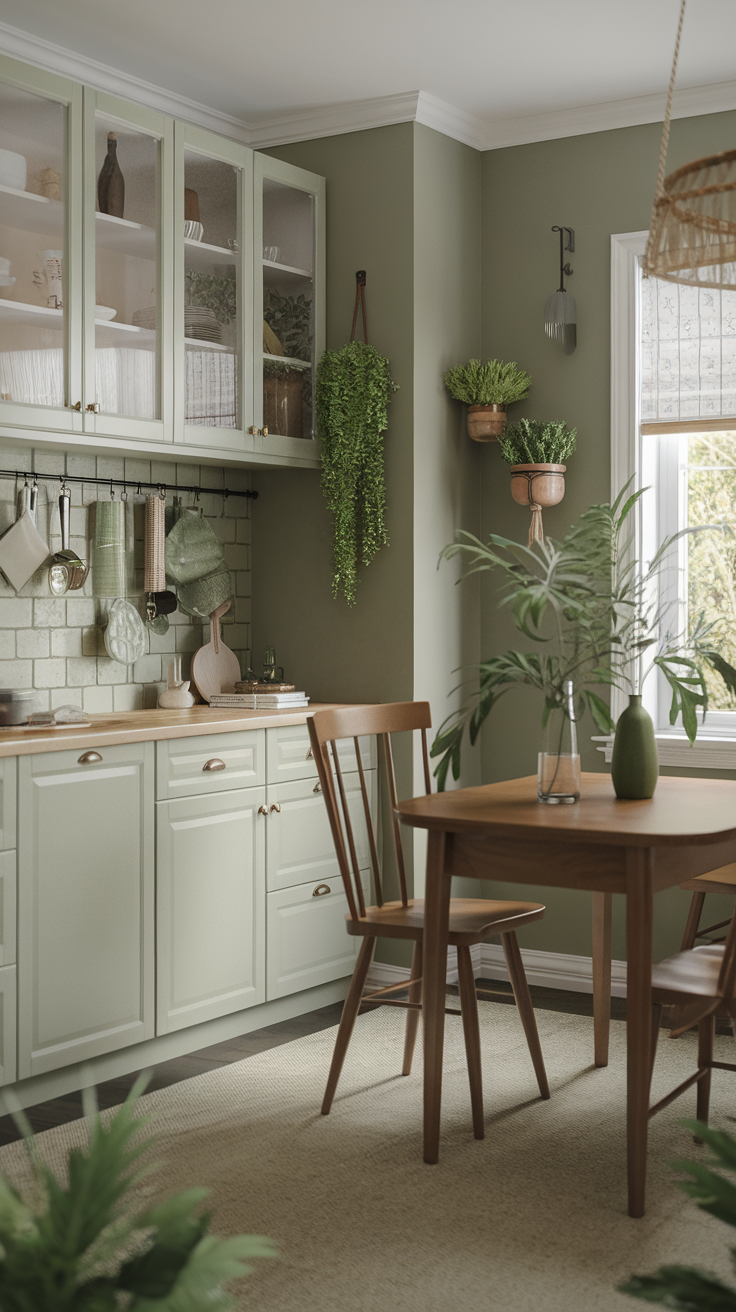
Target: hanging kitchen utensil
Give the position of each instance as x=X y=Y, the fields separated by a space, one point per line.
x=159 y=602
x=560 y=310
x=125 y=635
x=22 y=549
x=67 y=570
x=215 y=668
x=109 y=564
x=196 y=563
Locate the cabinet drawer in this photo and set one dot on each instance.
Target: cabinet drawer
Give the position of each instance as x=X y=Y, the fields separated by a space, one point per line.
x=8 y=1064
x=213 y=764
x=290 y=754
x=299 y=844
x=8 y=794
x=307 y=943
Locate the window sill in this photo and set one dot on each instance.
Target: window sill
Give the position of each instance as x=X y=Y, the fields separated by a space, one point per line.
x=674 y=749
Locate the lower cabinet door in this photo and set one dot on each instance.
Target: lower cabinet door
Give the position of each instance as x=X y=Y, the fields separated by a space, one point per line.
x=210 y=907
x=300 y=845
x=308 y=942
x=7 y=1025
x=85 y=904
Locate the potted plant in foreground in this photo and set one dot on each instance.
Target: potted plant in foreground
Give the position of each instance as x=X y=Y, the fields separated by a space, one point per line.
x=487 y=387
x=537 y=450
x=593 y=611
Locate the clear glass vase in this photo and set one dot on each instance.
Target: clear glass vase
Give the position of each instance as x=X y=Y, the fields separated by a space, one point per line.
x=558 y=770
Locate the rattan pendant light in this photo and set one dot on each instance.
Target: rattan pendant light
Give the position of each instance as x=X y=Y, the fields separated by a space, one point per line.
x=692 y=237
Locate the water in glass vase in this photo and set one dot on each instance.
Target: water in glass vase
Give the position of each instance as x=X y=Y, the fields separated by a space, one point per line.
x=558 y=770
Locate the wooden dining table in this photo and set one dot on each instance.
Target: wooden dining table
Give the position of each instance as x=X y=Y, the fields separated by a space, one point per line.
x=599 y=844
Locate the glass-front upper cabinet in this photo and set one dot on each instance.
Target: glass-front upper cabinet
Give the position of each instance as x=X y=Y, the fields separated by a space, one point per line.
x=289 y=236
x=128 y=264
x=214 y=273
x=40 y=249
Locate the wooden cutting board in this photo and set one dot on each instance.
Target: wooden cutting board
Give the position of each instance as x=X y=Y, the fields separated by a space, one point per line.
x=215 y=668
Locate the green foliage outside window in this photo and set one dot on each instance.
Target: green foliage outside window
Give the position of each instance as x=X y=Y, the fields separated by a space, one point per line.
x=711 y=557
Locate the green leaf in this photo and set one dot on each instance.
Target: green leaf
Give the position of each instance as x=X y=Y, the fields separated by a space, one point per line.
x=683 y=1289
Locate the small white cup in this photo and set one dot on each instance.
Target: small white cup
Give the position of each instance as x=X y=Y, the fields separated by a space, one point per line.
x=272 y=254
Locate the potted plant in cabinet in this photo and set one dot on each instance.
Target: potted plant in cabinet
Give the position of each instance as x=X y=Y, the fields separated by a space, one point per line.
x=487 y=387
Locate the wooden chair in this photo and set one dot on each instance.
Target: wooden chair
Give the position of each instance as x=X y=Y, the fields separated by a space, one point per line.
x=471 y=920
x=722 y=880
x=699 y=986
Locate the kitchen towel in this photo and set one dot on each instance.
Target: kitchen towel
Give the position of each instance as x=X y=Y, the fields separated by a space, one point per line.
x=109 y=565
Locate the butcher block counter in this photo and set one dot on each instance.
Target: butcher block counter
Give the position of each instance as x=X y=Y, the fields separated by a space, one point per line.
x=147 y=726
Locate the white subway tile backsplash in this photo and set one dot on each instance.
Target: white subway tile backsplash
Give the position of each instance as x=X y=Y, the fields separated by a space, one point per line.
x=81 y=672
x=16 y=674
x=97 y=700
x=66 y=642
x=147 y=669
x=80 y=611
x=15 y=612
x=49 y=674
x=48 y=613
x=33 y=642
x=128 y=697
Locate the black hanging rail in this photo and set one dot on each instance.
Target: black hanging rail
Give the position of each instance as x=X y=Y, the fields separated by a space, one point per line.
x=30 y=475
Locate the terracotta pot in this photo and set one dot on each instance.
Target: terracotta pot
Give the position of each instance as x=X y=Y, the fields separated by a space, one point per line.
x=486 y=422
x=537 y=486
x=282 y=405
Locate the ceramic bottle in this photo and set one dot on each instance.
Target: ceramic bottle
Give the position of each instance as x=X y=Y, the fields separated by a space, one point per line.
x=110 y=183
x=635 y=766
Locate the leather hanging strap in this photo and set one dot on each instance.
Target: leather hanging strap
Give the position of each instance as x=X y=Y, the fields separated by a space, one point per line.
x=360 y=301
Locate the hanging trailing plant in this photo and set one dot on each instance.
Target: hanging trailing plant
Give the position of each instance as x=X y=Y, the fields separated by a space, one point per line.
x=354 y=387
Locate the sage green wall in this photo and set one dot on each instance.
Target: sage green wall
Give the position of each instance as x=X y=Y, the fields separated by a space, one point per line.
x=403 y=203
x=598 y=184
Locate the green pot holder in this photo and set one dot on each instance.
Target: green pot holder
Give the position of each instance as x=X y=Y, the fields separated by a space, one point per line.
x=196 y=564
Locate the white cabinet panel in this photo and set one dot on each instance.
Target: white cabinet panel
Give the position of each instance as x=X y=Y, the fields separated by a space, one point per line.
x=215 y=763
x=86 y=872
x=7 y=907
x=210 y=907
x=8 y=801
x=8 y=1009
x=308 y=943
x=290 y=754
x=299 y=839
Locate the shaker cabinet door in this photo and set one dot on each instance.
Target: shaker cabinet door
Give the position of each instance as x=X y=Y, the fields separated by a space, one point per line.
x=210 y=907
x=86 y=908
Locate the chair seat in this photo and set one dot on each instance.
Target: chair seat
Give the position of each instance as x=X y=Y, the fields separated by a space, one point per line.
x=722 y=880
x=472 y=919
x=691 y=974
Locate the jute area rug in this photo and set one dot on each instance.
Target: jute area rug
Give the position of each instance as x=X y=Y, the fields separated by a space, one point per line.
x=531 y=1219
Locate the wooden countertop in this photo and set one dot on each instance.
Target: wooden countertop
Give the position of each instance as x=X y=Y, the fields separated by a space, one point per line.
x=140 y=726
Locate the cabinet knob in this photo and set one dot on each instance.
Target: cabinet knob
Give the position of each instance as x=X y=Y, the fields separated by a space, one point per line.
x=264 y=432
x=214 y=764
x=263 y=810
x=89 y=758
x=317 y=788
x=276 y=806
x=309 y=756
x=93 y=408
x=320 y=890
x=77 y=405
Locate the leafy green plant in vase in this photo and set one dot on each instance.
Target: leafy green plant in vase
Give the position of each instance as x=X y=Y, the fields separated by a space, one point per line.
x=591 y=609
x=487 y=387
x=537 y=450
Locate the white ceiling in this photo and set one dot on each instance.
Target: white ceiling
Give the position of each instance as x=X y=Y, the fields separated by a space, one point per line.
x=493 y=60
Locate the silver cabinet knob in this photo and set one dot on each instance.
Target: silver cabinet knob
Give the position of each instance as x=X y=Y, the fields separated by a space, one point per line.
x=89 y=758
x=320 y=890
x=276 y=806
x=214 y=764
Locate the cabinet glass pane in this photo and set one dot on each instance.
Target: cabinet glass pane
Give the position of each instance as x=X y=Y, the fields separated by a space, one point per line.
x=127 y=239
x=288 y=310
x=212 y=314
x=32 y=273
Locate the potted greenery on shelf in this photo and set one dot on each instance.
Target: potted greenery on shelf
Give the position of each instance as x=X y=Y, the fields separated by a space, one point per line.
x=589 y=606
x=537 y=450
x=487 y=387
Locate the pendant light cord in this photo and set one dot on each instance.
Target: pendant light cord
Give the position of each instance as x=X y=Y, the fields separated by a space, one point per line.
x=668 y=112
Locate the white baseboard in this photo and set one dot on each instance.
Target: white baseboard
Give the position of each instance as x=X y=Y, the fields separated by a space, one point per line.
x=553 y=970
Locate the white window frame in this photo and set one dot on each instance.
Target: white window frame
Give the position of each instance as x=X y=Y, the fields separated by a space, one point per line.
x=715 y=746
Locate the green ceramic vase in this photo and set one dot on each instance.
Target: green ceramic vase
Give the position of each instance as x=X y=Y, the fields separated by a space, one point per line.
x=635 y=767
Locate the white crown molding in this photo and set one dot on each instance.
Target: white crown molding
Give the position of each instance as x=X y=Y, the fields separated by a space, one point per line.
x=379 y=111
x=611 y=114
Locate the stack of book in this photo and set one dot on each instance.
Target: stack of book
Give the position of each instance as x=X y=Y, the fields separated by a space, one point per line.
x=261 y=697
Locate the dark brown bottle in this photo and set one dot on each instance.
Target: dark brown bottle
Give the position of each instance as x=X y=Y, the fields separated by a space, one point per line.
x=111 y=183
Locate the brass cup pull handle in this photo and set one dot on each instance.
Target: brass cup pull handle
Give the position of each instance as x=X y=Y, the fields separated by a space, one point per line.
x=320 y=890
x=89 y=758
x=276 y=806
x=317 y=788
x=309 y=756
x=263 y=810
x=214 y=764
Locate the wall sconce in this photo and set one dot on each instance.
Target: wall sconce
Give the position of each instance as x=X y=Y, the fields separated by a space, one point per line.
x=560 y=311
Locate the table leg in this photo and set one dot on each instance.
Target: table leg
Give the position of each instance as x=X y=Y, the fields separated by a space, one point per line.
x=436 y=922
x=601 y=975
x=638 y=1018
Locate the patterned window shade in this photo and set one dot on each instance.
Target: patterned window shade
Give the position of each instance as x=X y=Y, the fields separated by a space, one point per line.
x=688 y=352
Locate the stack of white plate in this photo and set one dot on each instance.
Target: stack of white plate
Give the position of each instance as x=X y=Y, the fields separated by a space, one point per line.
x=145 y=318
x=202 y=324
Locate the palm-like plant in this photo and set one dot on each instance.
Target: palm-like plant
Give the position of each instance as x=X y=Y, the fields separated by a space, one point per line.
x=596 y=613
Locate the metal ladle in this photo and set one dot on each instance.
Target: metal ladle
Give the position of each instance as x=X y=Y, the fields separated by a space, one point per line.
x=66 y=571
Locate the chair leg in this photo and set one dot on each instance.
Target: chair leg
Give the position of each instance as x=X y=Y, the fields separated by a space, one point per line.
x=706 y=1030
x=523 y=998
x=413 y=1014
x=693 y=921
x=469 y=1009
x=347 y=1020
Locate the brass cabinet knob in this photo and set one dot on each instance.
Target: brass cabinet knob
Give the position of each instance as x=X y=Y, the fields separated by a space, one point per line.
x=264 y=432
x=320 y=890
x=276 y=806
x=214 y=764
x=77 y=405
x=89 y=758
x=317 y=788
x=263 y=810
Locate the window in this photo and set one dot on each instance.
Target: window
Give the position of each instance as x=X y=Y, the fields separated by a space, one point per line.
x=674 y=431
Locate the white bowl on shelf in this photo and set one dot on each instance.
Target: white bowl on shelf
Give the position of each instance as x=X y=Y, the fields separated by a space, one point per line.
x=193 y=231
x=13 y=170
x=6 y=280
x=104 y=312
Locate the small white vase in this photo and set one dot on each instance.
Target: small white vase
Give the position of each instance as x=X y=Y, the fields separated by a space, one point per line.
x=177 y=695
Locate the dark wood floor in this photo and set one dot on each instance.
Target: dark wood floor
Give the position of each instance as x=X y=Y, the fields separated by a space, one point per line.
x=112 y=1092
